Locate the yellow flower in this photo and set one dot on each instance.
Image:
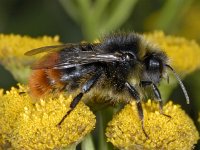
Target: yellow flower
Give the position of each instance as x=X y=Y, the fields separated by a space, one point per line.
x=12 y=49
x=34 y=126
x=177 y=132
x=184 y=55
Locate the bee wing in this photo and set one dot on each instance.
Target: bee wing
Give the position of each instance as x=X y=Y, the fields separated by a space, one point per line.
x=85 y=57
x=50 y=49
x=67 y=59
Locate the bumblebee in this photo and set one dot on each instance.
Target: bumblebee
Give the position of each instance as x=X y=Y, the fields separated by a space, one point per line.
x=118 y=68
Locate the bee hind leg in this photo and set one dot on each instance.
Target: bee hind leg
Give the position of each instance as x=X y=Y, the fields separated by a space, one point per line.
x=86 y=87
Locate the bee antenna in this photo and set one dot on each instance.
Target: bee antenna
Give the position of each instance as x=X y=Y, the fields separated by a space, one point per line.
x=180 y=83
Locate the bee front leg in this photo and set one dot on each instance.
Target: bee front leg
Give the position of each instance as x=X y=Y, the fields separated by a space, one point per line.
x=156 y=93
x=133 y=92
x=86 y=87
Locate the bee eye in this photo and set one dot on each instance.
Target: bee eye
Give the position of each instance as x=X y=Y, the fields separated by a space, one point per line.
x=153 y=64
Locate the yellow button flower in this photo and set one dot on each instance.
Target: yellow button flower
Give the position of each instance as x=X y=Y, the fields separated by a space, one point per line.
x=25 y=125
x=177 y=132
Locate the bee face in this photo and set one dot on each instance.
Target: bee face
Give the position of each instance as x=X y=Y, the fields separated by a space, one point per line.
x=104 y=68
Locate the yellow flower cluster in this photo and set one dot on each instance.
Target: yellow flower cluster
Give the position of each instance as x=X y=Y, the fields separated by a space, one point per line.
x=25 y=125
x=12 y=49
x=177 y=132
x=184 y=55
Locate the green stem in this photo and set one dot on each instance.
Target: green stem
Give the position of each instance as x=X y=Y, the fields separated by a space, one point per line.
x=93 y=17
x=73 y=147
x=99 y=8
x=87 y=143
x=121 y=11
x=102 y=142
x=104 y=116
x=88 y=20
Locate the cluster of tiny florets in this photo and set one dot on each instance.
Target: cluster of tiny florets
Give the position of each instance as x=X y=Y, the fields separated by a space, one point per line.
x=27 y=125
x=177 y=132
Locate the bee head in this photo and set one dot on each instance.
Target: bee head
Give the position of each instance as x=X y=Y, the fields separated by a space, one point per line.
x=154 y=66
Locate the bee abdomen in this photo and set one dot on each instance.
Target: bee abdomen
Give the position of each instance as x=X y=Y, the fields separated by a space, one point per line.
x=44 y=81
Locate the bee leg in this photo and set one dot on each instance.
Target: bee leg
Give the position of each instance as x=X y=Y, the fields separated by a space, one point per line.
x=159 y=99
x=133 y=92
x=86 y=87
x=156 y=93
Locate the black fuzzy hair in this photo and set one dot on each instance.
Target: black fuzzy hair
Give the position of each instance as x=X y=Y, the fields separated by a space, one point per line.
x=122 y=42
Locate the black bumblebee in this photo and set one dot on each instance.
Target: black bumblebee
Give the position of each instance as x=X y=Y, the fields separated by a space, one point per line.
x=118 y=68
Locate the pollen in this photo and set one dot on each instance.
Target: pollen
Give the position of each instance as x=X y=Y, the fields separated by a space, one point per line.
x=184 y=54
x=178 y=132
x=27 y=125
x=12 y=49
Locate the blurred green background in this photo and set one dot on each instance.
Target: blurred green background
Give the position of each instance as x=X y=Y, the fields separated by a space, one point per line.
x=79 y=20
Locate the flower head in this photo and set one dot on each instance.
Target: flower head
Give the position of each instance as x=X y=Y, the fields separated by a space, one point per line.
x=177 y=132
x=34 y=126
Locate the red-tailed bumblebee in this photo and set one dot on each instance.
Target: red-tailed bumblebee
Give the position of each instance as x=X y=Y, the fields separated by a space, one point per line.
x=118 y=69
